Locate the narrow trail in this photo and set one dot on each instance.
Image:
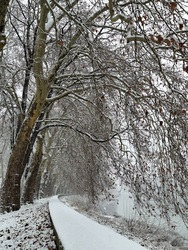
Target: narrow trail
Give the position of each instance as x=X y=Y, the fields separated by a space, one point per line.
x=77 y=231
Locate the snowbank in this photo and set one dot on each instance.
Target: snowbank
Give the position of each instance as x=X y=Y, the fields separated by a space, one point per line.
x=27 y=228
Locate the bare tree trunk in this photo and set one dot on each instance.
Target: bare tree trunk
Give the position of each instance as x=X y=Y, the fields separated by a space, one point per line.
x=10 y=197
x=11 y=187
x=3 y=12
x=31 y=181
x=46 y=163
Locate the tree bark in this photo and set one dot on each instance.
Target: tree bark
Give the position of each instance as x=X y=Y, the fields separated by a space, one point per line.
x=10 y=197
x=30 y=184
x=3 y=12
x=45 y=165
x=11 y=187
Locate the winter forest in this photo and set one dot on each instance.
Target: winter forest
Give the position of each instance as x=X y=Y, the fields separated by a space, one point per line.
x=95 y=93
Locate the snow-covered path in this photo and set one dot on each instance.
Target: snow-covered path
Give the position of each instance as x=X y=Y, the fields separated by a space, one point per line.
x=76 y=231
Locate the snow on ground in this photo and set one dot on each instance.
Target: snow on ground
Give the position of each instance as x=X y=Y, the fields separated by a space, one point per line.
x=76 y=231
x=139 y=230
x=30 y=229
x=27 y=229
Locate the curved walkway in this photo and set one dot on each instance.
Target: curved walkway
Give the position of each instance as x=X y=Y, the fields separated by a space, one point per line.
x=77 y=232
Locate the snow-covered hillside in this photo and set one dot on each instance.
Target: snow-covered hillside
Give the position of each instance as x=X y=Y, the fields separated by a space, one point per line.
x=27 y=229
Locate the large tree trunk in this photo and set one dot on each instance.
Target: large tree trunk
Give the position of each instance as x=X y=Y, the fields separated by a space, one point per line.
x=10 y=197
x=30 y=183
x=45 y=165
x=11 y=187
